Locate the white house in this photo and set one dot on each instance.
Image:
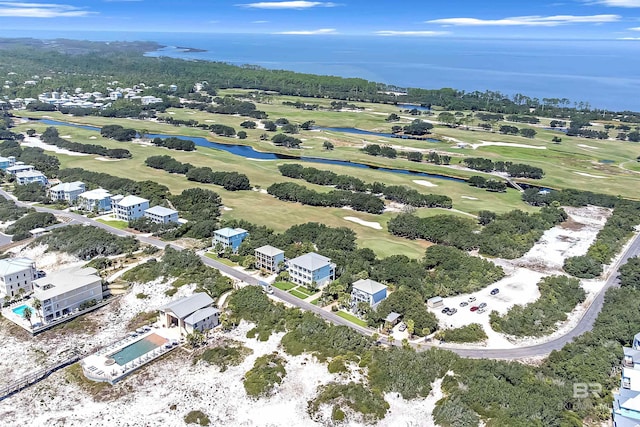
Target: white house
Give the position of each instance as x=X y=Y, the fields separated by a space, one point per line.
x=193 y=313
x=19 y=167
x=16 y=274
x=311 y=267
x=148 y=100
x=161 y=215
x=98 y=199
x=65 y=291
x=130 y=208
x=269 y=257
x=67 y=191
x=29 y=177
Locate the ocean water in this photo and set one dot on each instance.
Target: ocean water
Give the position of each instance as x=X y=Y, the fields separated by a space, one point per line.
x=604 y=73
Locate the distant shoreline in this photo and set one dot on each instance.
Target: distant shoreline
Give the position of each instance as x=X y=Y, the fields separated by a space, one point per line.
x=190 y=49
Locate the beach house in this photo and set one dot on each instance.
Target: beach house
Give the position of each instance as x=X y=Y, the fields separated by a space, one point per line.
x=311 y=267
x=98 y=199
x=29 y=177
x=19 y=167
x=229 y=237
x=367 y=291
x=130 y=207
x=66 y=291
x=193 y=313
x=7 y=162
x=66 y=191
x=16 y=274
x=269 y=258
x=626 y=402
x=161 y=215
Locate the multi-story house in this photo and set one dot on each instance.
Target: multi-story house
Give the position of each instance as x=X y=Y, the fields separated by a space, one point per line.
x=229 y=237
x=367 y=291
x=269 y=258
x=98 y=199
x=161 y=215
x=130 y=208
x=16 y=274
x=310 y=268
x=66 y=191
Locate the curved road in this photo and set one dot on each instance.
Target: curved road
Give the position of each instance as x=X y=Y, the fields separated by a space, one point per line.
x=584 y=325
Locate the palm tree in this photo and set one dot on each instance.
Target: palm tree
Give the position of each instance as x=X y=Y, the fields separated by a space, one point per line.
x=37 y=305
x=26 y=314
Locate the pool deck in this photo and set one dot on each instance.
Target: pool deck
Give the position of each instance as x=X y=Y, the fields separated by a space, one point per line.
x=101 y=367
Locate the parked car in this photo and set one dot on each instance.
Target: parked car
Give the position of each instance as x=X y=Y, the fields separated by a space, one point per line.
x=483 y=305
x=474 y=308
x=464 y=304
x=452 y=312
x=495 y=291
x=402 y=327
x=471 y=299
x=445 y=310
x=482 y=310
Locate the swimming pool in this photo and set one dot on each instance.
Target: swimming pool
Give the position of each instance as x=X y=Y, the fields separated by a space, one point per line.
x=20 y=310
x=138 y=348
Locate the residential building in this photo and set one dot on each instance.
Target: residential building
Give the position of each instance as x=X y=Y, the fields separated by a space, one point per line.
x=148 y=100
x=193 y=313
x=115 y=200
x=130 y=208
x=269 y=258
x=67 y=191
x=29 y=177
x=435 y=302
x=161 y=215
x=19 y=167
x=7 y=162
x=310 y=268
x=626 y=402
x=16 y=274
x=229 y=237
x=65 y=291
x=367 y=291
x=95 y=200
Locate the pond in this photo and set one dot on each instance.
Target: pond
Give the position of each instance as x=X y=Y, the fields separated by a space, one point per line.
x=249 y=152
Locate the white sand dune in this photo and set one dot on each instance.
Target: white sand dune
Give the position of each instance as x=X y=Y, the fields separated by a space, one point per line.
x=588 y=175
x=506 y=144
x=370 y=224
x=425 y=183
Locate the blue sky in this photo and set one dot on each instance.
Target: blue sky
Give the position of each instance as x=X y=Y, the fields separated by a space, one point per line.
x=583 y=19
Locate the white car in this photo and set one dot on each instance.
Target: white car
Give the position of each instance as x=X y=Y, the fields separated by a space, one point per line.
x=471 y=299
x=402 y=327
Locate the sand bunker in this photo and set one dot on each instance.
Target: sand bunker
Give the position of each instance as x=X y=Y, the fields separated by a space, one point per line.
x=37 y=142
x=506 y=144
x=588 y=146
x=468 y=197
x=370 y=224
x=425 y=183
x=588 y=175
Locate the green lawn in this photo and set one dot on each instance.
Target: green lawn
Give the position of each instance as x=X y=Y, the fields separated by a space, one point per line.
x=351 y=318
x=222 y=260
x=284 y=286
x=304 y=290
x=316 y=301
x=298 y=294
x=120 y=225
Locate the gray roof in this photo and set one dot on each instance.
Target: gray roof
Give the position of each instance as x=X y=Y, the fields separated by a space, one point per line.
x=14 y=265
x=68 y=186
x=132 y=201
x=392 y=317
x=369 y=286
x=161 y=211
x=434 y=299
x=311 y=261
x=29 y=174
x=269 y=250
x=186 y=306
x=97 y=194
x=230 y=232
x=628 y=351
x=200 y=315
x=64 y=281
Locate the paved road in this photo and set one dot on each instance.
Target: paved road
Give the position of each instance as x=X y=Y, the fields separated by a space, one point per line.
x=584 y=325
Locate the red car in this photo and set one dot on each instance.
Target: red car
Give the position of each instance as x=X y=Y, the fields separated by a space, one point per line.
x=474 y=308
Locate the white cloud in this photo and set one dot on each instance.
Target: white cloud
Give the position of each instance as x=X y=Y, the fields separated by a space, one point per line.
x=40 y=10
x=634 y=29
x=530 y=21
x=412 y=33
x=287 y=4
x=628 y=38
x=259 y=22
x=618 y=3
x=309 y=32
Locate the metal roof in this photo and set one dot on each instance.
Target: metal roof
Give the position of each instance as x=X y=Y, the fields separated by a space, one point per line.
x=230 y=232
x=186 y=306
x=68 y=187
x=311 y=261
x=161 y=211
x=132 y=201
x=97 y=194
x=369 y=286
x=14 y=265
x=200 y=315
x=269 y=250
x=65 y=281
